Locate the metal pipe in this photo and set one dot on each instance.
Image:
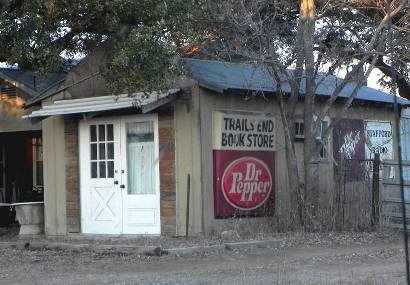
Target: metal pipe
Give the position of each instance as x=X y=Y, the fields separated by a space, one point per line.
x=399 y=150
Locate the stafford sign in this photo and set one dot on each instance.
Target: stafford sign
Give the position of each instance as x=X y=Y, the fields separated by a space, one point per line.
x=358 y=140
x=379 y=139
x=244 y=161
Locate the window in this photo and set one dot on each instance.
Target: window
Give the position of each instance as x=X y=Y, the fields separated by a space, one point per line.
x=7 y=90
x=37 y=146
x=323 y=154
x=300 y=135
x=299 y=130
x=102 y=151
x=140 y=158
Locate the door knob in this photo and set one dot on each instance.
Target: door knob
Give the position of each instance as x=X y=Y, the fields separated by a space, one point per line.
x=122 y=186
x=116 y=182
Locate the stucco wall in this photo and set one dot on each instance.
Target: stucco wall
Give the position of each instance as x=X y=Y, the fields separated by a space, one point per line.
x=54 y=176
x=188 y=162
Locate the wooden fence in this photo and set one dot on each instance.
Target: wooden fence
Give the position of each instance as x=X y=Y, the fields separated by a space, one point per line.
x=391 y=202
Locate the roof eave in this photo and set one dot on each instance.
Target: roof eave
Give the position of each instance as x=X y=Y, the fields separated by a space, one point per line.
x=80 y=106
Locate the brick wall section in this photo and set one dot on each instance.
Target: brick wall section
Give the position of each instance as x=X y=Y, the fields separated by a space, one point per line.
x=72 y=175
x=166 y=134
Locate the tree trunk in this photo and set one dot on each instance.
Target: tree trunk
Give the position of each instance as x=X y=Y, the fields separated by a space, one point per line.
x=307 y=13
x=296 y=199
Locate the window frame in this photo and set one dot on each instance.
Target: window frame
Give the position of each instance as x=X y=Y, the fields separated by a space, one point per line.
x=299 y=136
x=98 y=143
x=37 y=147
x=323 y=153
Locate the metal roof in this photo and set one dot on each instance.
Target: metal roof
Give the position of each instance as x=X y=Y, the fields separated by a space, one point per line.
x=143 y=101
x=223 y=76
x=33 y=82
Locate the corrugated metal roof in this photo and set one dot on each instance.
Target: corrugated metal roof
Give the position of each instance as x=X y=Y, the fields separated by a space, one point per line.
x=145 y=102
x=240 y=76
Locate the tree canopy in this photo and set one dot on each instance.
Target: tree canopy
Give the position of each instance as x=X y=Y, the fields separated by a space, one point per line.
x=255 y=30
x=143 y=36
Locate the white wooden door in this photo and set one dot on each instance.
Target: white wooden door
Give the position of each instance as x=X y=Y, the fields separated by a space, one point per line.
x=101 y=195
x=123 y=197
x=140 y=163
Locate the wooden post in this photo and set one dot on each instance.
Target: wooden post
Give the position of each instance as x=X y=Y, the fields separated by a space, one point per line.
x=340 y=180
x=375 y=190
x=187 y=204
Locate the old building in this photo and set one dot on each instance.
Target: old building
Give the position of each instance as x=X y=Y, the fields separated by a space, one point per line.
x=123 y=164
x=21 y=172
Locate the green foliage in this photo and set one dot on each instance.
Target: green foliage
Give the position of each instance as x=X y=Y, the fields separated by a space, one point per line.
x=145 y=36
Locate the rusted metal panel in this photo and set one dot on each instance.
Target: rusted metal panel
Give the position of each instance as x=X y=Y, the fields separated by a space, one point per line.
x=349 y=142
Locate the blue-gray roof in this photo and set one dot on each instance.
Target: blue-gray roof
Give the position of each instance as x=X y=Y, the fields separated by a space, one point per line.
x=240 y=76
x=37 y=83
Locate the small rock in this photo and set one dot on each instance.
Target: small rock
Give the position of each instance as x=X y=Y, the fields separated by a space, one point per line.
x=230 y=235
x=158 y=251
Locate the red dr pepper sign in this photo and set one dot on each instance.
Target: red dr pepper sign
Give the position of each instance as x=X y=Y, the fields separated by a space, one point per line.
x=243 y=162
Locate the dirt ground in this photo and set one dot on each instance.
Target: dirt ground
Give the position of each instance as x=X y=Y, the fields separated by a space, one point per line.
x=365 y=258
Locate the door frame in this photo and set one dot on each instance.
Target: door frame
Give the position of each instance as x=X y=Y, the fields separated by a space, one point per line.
x=117 y=121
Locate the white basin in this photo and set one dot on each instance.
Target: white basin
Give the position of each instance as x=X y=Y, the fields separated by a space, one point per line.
x=30 y=215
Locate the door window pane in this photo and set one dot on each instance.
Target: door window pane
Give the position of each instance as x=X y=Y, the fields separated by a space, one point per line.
x=94 y=170
x=101 y=133
x=110 y=169
x=102 y=169
x=140 y=158
x=110 y=150
x=110 y=132
x=93 y=151
x=101 y=149
x=93 y=133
